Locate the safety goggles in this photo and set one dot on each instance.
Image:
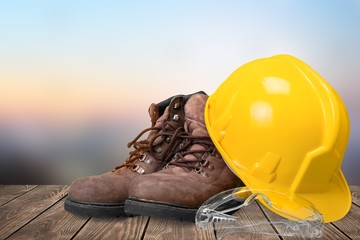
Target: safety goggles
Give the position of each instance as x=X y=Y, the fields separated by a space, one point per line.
x=288 y=215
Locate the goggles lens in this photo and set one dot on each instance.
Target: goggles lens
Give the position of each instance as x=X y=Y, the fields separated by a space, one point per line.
x=289 y=215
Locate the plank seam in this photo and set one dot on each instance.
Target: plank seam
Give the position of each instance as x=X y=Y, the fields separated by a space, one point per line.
x=356 y=204
x=145 y=229
x=28 y=222
x=267 y=218
x=82 y=226
x=340 y=230
x=19 y=195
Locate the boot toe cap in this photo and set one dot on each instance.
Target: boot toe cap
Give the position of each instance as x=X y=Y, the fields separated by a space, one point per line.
x=82 y=190
x=97 y=189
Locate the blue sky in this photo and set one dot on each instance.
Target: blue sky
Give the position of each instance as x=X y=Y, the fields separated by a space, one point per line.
x=75 y=60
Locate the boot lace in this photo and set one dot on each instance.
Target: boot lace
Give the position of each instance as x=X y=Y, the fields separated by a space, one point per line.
x=148 y=146
x=200 y=155
x=139 y=146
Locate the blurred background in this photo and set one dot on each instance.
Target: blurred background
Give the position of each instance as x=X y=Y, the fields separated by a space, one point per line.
x=77 y=77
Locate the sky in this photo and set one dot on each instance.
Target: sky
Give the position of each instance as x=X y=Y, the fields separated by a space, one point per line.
x=71 y=66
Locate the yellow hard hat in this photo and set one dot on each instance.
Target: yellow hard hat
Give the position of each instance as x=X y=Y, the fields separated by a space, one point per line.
x=280 y=126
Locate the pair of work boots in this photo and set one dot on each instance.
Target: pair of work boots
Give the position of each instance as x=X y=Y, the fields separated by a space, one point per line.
x=169 y=174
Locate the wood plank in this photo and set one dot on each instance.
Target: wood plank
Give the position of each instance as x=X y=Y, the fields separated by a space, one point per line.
x=350 y=224
x=54 y=223
x=329 y=231
x=9 y=192
x=23 y=209
x=167 y=229
x=113 y=228
x=171 y=229
x=36 y=212
x=355 y=194
x=250 y=215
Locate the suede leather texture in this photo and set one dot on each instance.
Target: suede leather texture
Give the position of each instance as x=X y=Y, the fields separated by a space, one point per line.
x=113 y=186
x=182 y=186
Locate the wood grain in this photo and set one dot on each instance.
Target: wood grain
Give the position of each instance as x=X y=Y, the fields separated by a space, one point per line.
x=36 y=212
x=355 y=194
x=170 y=229
x=9 y=192
x=55 y=223
x=113 y=228
x=251 y=215
x=23 y=209
x=329 y=231
x=350 y=224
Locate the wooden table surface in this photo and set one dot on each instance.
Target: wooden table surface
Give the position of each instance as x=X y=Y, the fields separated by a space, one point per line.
x=37 y=212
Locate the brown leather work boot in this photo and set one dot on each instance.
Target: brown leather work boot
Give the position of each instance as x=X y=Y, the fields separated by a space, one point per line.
x=104 y=195
x=196 y=172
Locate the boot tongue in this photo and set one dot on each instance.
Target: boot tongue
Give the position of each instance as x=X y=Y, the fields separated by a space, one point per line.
x=172 y=113
x=156 y=120
x=194 y=115
x=154 y=113
x=194 y=121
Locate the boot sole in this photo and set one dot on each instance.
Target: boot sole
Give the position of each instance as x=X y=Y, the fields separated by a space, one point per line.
x=95 y=210
x=138 y=207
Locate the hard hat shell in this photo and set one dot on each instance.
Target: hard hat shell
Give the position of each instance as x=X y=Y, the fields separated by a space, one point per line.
x=280 y=126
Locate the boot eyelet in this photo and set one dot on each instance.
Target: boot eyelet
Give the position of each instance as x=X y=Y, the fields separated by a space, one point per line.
x=142 y=158
x=138 y=169
x=176 y=105
x=211 y=167
x=175 y=117
x=204 y=156
x=204 y=163
x=198 y=170
x=135 y=167
x=214 y=152
x=158 y=149
x=148 y=161
x=145 y=159
x=168 y=139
